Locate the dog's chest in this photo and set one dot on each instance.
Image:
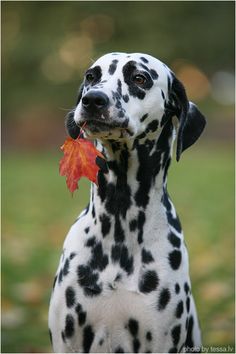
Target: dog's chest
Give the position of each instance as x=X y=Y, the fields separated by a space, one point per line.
x=118 y=312
x=111 y=292
x=135 y=254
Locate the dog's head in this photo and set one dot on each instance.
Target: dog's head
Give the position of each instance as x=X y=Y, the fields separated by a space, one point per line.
x=127 y=96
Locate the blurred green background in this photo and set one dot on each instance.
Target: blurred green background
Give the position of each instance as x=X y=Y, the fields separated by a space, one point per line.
x=46 y=46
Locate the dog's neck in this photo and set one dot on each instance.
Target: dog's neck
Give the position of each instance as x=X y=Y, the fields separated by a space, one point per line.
x=134 y=176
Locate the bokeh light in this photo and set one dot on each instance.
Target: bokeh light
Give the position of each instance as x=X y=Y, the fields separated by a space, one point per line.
x=194 y=79
x=55 y=69
x=77 y=51
x=99 y=27
x=223 y=87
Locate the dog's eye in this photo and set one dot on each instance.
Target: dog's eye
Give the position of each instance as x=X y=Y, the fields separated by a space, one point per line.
x=89 y=77
x=139 y=79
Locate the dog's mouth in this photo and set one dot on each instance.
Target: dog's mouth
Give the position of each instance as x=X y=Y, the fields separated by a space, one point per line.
x=96 y=126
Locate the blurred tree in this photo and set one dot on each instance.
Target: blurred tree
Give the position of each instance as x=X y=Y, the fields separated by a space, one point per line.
x=39 y=54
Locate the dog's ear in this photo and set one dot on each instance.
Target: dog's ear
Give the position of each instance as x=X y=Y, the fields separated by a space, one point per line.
x=71 y=127
x=191 y=121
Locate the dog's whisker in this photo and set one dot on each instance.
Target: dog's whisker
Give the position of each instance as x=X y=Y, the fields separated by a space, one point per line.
x=66 y=109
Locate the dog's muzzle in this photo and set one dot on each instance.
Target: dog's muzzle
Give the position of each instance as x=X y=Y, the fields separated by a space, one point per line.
x=95 y=112
x=95 y=116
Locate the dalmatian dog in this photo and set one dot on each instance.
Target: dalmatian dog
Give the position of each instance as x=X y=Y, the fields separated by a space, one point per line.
x=123 y=283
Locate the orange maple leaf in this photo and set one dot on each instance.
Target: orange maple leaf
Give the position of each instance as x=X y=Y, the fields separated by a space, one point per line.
x=78 y=161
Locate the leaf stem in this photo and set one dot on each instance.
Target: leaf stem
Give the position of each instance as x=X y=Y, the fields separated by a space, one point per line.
x=81 y=130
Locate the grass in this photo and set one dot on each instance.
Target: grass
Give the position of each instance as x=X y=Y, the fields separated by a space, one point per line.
x=37 y=211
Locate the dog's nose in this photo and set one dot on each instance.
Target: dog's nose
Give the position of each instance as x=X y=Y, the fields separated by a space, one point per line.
x=95 y=101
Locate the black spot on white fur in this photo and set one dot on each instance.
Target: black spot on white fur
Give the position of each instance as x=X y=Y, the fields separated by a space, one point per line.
x=70 y=296
x=177 y=288
x=149 y=336
x=113 y=66
x=144 y=117
x=88 y=280
x=120 y=254
x=91 y=242
x=119 y=350
x=133 y=327
x=64 y=270
x=50 y=335
x=106 y=224
x=99 y=260
x=175 y=258
x=186 y=288
x=144 y=59
x=81 y=315
x=179 y=309
x=175 y=333
x=69 y=326
x=147 y=256
x=164 y=299
x=148 y=282
x=88 y=337
x=174 y=240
